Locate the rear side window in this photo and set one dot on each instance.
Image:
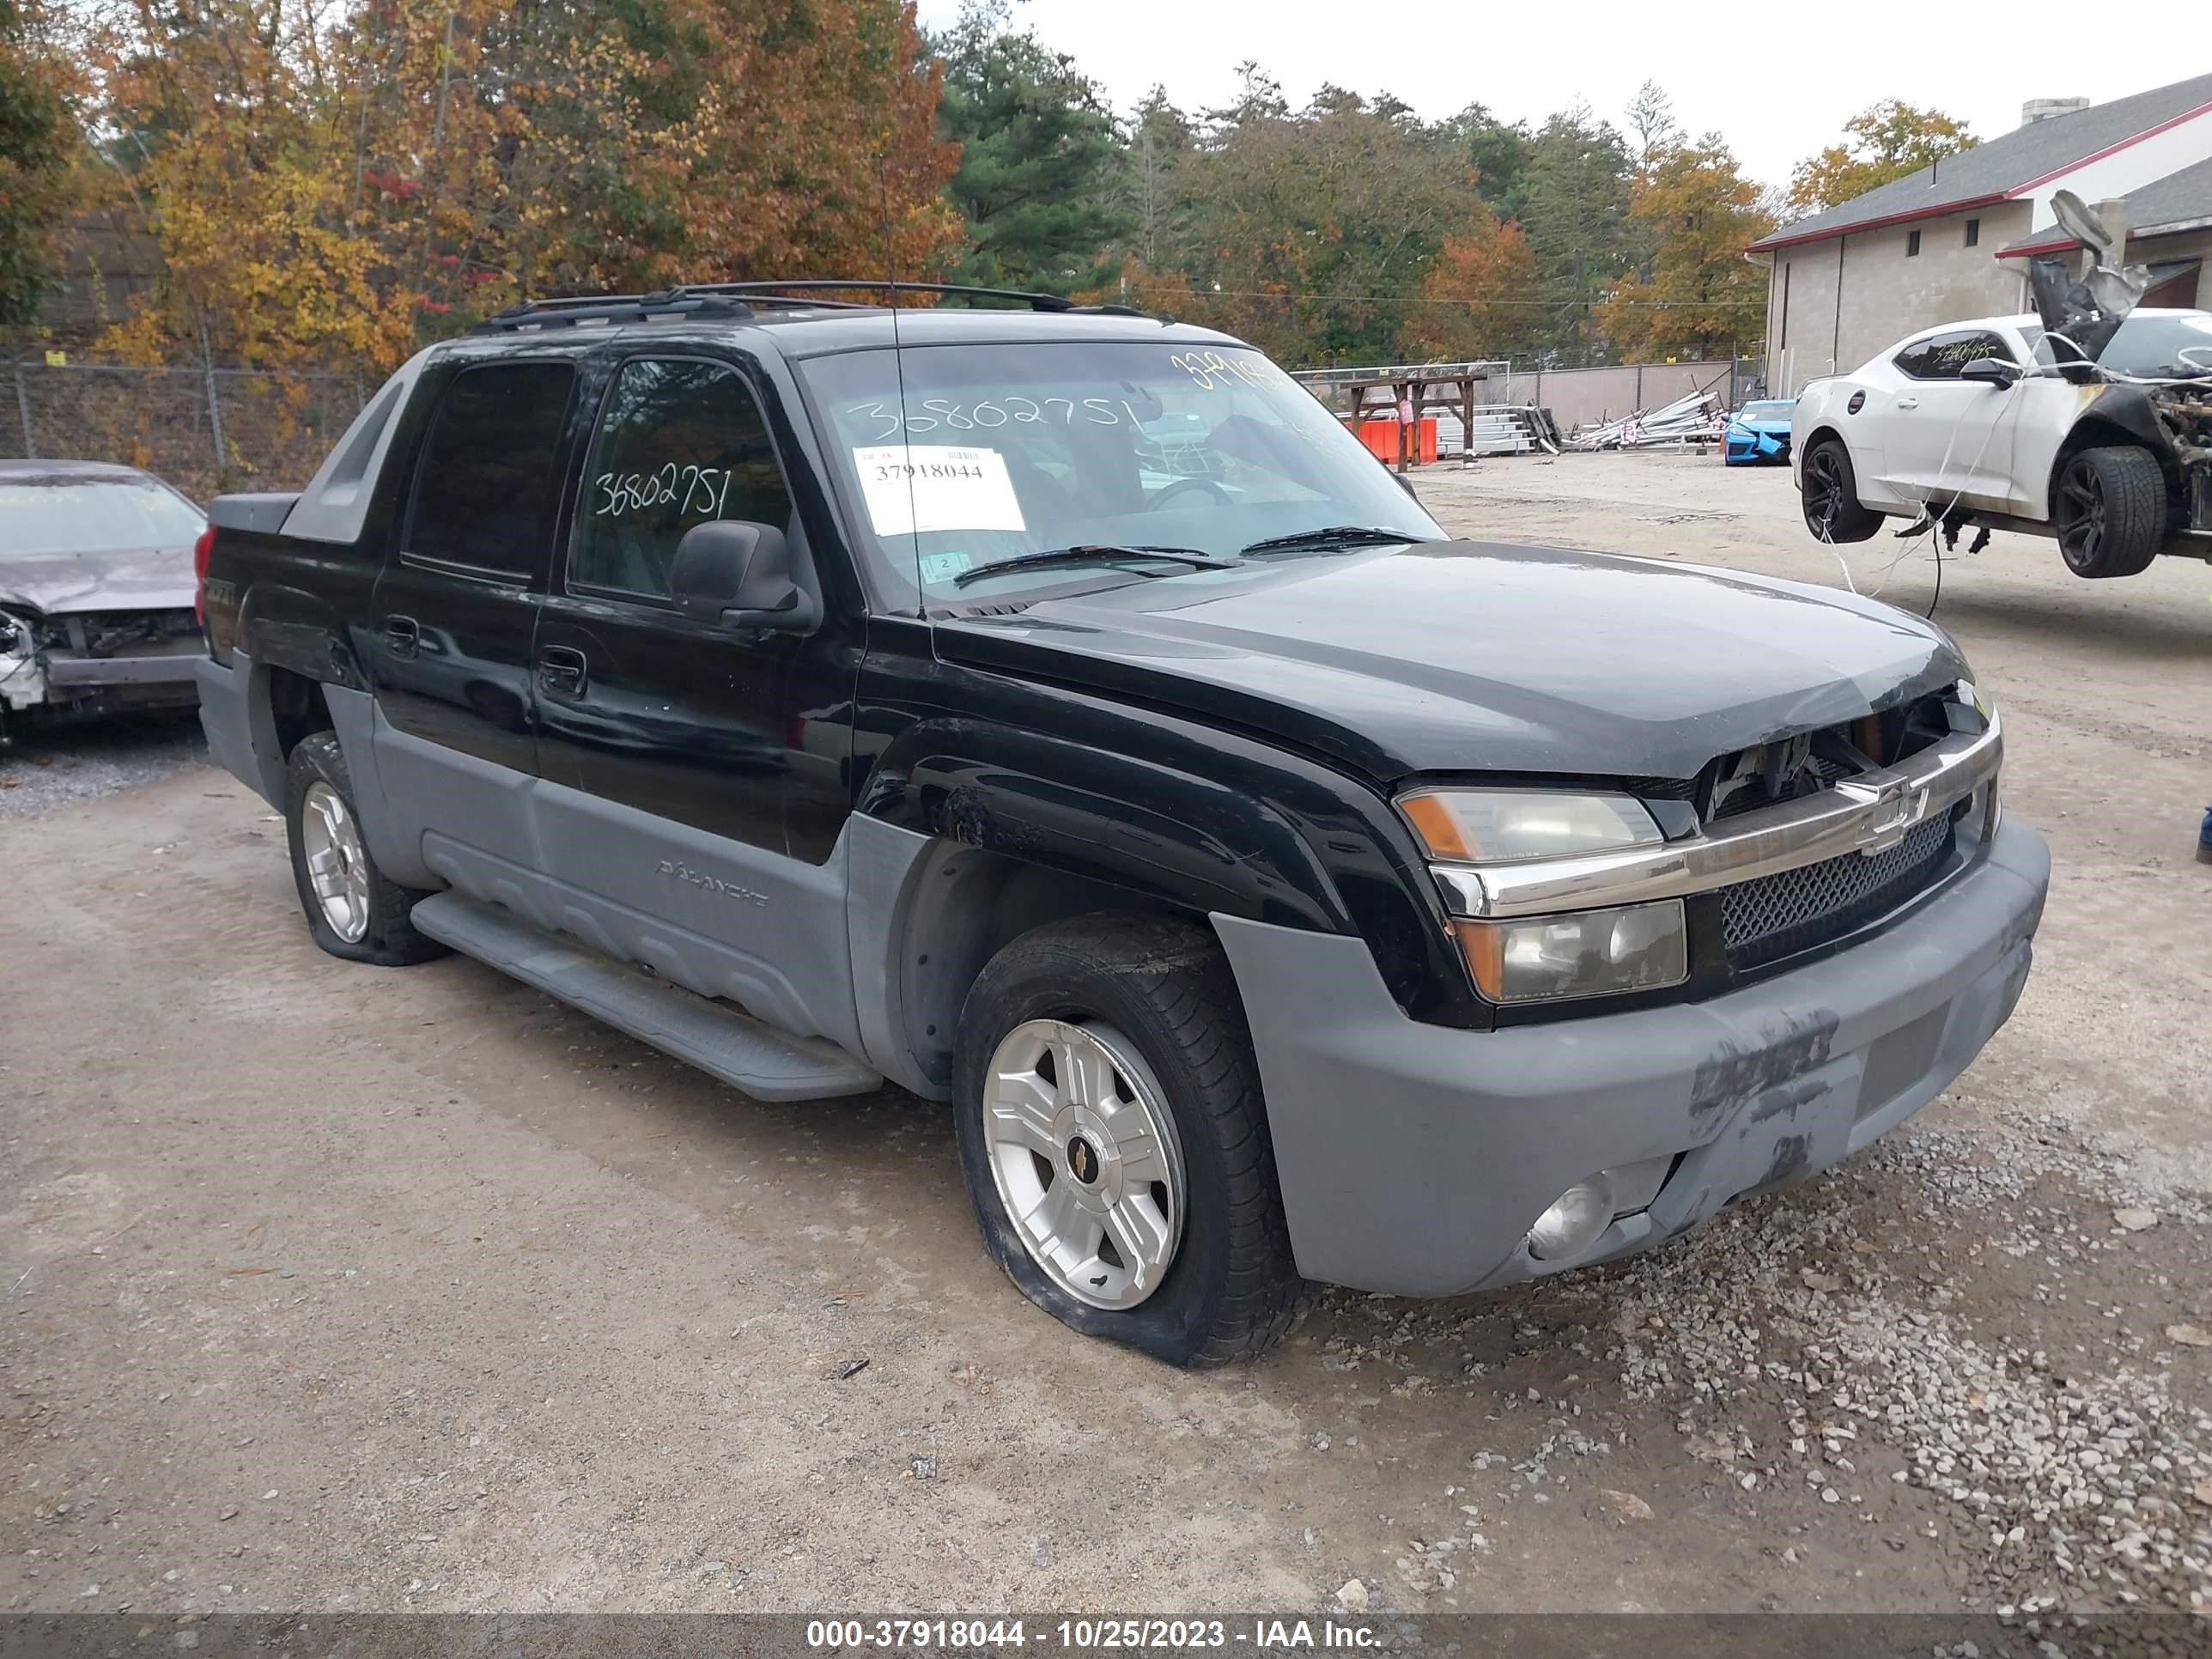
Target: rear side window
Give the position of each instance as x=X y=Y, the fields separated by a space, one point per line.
x=680 y=442
x=490 y=484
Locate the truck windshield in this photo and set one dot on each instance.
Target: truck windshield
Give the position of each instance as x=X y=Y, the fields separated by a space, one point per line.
x=59 y=514
x=994 y=452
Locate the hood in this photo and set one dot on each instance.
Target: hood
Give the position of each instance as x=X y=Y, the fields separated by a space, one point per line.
x=1471 y=657
x=144 y=579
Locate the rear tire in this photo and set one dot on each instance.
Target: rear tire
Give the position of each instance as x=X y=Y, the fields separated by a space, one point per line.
x=353 y=911
x=1105 y=1062
x=2109 y=510
x=1828 y=491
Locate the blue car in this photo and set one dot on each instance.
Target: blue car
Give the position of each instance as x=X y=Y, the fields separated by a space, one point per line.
x=1758 y=434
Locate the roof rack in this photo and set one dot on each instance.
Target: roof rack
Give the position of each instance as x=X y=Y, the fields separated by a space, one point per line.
x=1049 y=302
x=600 y=309
x=734 y=301
x=661 y=306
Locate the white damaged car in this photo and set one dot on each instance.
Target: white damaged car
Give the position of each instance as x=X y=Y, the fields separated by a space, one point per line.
x=1993 y=423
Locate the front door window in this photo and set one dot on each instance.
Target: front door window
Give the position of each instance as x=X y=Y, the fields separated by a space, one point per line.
x=680 y=443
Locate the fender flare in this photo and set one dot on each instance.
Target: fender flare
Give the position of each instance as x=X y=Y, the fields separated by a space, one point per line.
x=1138 y=825
x=284 y=627
x=2124 y=410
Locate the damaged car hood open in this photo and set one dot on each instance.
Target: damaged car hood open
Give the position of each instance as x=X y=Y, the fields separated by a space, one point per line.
x=1474 y=657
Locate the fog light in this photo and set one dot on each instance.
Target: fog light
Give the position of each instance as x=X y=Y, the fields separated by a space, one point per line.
x=1576 y=1219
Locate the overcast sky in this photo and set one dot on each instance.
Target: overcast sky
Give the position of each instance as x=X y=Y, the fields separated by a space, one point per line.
x=1777 y=81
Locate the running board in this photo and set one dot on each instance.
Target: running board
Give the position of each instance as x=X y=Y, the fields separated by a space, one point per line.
x=719 y=1040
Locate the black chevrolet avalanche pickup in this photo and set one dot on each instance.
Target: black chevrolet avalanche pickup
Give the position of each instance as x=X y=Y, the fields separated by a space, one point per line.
x=1055 y=712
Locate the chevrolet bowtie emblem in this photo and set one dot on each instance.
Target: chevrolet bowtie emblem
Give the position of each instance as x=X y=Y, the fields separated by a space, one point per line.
x=1896 y=809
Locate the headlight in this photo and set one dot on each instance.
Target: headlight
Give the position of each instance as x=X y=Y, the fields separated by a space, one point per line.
x=1491 y=826
x=1634 y=947
x=1972 y=696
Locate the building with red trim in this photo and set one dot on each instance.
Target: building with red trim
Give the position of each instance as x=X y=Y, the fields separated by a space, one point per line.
x=1952 y=240
x=2169 y=222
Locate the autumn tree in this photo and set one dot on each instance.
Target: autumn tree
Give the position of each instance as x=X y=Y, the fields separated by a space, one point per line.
x=1313 y=230
x=1037 y=183
x=1476 y=299
x=1884 y=141
x=1154 y=189
x=343 y=192
x=223 y=131
x=1578 y=185
x=1499 y=152
x=1651 y=119
x=1700 y=298
x=38 y=137
x=1161 y=293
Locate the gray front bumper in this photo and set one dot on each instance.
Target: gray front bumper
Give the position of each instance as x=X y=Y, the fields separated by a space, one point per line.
x=75 y=674
x=1413 y=1158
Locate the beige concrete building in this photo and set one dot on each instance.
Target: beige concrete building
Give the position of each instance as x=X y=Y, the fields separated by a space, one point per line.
x=1924 y=249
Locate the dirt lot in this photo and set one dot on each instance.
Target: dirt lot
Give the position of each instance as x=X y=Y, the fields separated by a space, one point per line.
x=340 y=1288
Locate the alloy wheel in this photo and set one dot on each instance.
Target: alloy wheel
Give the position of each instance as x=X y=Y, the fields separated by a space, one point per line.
x=337 y=863
x=2081 y=515
x=1086 y=1159
x=1824 y=492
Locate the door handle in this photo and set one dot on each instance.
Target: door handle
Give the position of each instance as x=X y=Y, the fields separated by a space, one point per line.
x=403 y=636
x=1908 y=402
x=561 y=669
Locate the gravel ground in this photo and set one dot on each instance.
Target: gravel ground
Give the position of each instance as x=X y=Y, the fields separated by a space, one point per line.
x=339 y=1288
x=42 y=771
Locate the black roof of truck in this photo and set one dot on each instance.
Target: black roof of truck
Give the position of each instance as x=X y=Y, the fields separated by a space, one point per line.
x=805 y=327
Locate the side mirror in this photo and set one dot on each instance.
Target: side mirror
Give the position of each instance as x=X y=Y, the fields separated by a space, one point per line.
x=737 y=573
x=1991 y=371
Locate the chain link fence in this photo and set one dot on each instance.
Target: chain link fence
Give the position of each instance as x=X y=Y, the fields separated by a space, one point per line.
x=204 y=431
x=207 y=430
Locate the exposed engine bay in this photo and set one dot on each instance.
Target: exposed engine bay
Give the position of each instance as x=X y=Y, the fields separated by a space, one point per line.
x=2080 y=318
x=83 y=664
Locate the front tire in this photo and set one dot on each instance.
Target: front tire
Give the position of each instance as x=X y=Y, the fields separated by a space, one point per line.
x=1113 y=1140
x=2109 y=509
x=1828 y=491
x=353 y=911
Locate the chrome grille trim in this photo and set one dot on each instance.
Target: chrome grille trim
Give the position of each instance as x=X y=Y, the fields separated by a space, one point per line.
x=1870 y=814
x=1774 y=916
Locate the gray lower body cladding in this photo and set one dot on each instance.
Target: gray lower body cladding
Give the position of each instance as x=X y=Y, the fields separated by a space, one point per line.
x=226 y=712
x=770 y=934
x=1413 y=1158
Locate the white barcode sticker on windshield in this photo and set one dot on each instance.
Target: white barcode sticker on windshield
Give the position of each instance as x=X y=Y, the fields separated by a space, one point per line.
x=912 y=488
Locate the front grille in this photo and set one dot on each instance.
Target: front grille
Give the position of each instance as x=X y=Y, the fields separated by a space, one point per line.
x=1779 y=915
x=1817 y=774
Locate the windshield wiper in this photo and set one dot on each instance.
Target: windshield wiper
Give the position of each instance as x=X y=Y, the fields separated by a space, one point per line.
x=1339 y=535
x=1092 y=553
